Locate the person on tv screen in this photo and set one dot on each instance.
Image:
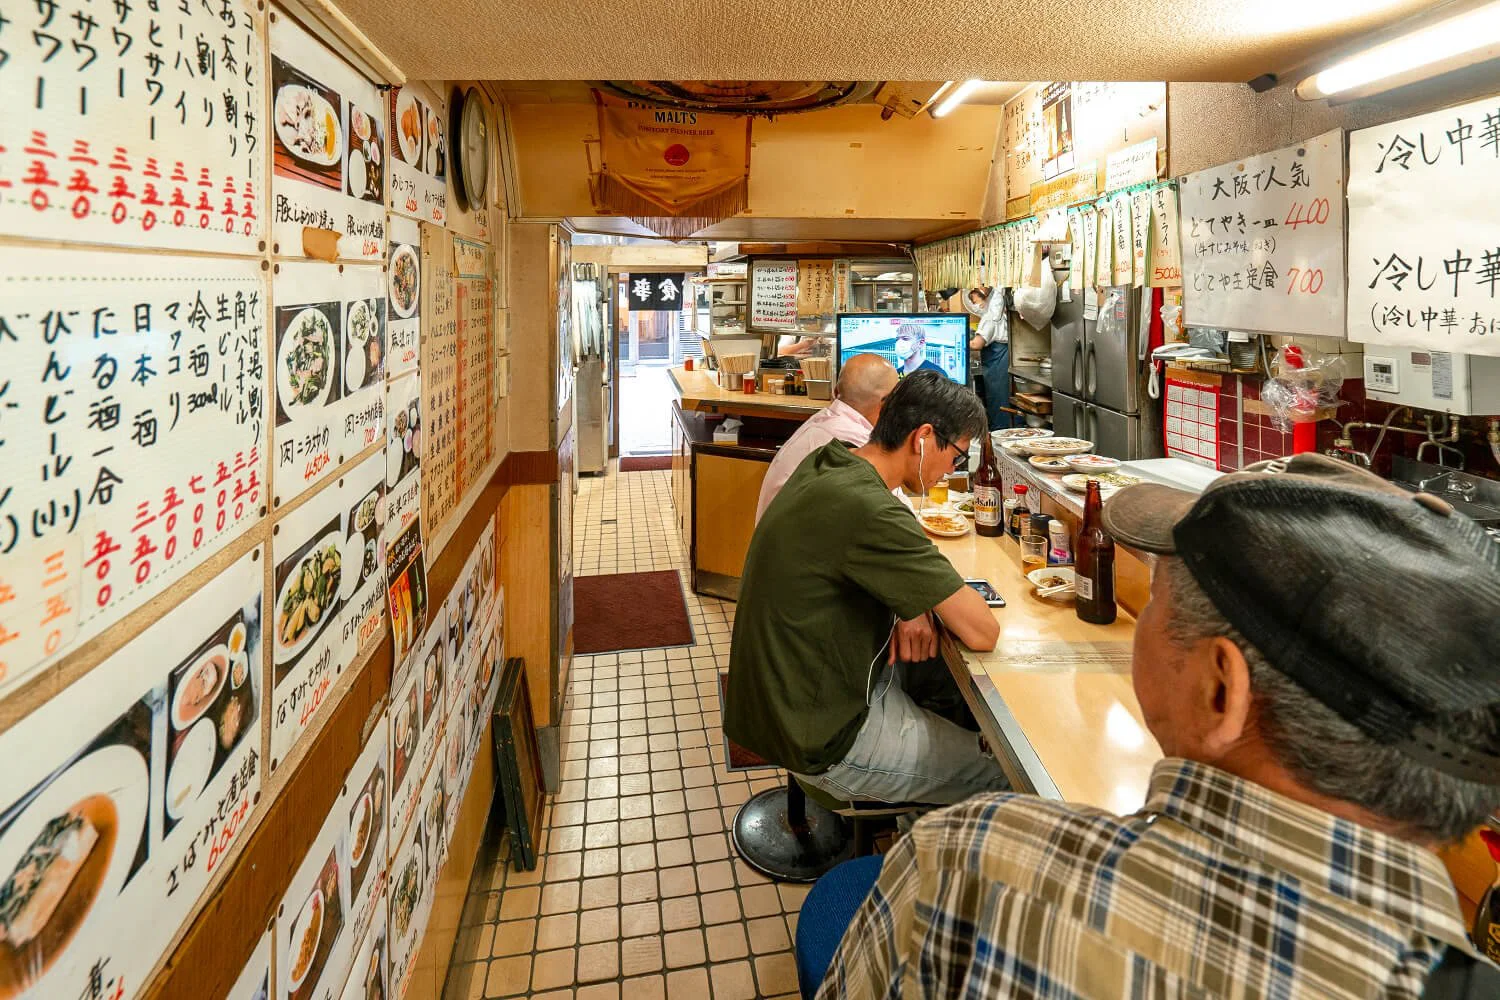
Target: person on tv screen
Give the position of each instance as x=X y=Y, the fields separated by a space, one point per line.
x=911 y=350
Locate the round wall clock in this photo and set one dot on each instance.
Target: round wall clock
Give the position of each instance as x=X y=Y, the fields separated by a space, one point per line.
x=471 y=150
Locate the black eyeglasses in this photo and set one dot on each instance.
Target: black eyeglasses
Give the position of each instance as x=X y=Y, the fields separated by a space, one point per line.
x=961 y=462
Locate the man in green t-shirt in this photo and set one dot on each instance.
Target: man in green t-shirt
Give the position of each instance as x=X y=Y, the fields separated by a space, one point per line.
x=834 y=612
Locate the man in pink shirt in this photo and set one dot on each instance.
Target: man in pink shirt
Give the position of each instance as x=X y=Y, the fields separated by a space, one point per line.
x=865 y=380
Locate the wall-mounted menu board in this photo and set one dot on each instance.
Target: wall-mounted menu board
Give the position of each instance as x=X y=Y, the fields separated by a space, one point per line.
x=328 y=147
x=476 y=318
x=1263 y=241
x=439 y=364
x=135 y=125
x=133 y=402
x=773 y=295
x=121 y=797
x=1424 y=259
x=418 y=156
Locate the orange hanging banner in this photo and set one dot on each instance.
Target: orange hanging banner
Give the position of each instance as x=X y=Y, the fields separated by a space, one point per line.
x=674 y=172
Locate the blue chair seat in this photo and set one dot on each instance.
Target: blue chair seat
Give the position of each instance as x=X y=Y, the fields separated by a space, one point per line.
x=826 y=913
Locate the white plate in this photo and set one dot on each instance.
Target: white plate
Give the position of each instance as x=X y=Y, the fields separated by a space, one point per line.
x=410 y=147
x=393 y=455
x=117 y=773
x=289 y=93
x=219 y=658
x=286 y=653
x=190 y=769
x=435 y=148
x=1036 y=577
x=1059 y=446
x=301 y=928
x=1078 y=482
x=1092 y=463
x=406 y=310
x=283 y=375
x=1021 y=433
x=943 y=532
x=1049 y=463
x=362 y=810
x=356 y=172
x=354 y=369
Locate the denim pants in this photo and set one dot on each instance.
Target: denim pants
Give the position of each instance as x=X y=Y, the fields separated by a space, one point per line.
x=904 y=753
x=995 y=361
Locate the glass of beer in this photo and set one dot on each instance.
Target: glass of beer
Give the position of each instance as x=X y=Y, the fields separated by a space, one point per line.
x=1033 y=553
x=938 y=492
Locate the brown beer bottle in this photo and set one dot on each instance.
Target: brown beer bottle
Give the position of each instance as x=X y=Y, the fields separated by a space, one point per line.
x=987 y=485
x=1094 y=563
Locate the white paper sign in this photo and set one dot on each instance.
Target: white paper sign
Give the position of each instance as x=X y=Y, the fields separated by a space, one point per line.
x=1263 y=241
x=1104 y=267
x=132 y=407
x=419 y=157
x=255 y=981
x=1140 y=233
x=365 y=807
x=404 y=295
x=314 y=925
x=363 y=620
x=1164 y=256
x=414 y=868
x=416 y=730
x=1424 y=257
x=328 y=147
x=1121 y=228
x=1080 y=251
x=134 y=125
x=773 y=295
x=129 y=789
x=329 y=370
x=367 y=976
x=1131 y=165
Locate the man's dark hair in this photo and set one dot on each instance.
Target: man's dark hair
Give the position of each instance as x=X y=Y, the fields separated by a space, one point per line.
x=929 y=398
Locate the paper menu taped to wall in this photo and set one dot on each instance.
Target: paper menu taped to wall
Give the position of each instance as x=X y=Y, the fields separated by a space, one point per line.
x=329 y=339
x=1140 y=233
x=314 y=925
x=414 y=867
x=329 y=156
x=419 y=155
x=364 y=806
x=143 y=774
x=1163 y=253
x=1104 y=259
x=773 y=295
x=367 y=974
x=106 y=144
x=1080 y=250
x=1424 y=260
x=1121 y=229
x=133 y=402
x=367 y=510
x=416 y=729
x=404 y=298
x=1131 y=165
x=1263 y=241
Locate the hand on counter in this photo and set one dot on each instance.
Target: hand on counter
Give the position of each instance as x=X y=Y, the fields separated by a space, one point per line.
x=914 y=641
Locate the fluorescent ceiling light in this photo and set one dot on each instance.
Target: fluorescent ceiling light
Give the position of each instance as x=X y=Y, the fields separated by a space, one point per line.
x=1447 y=45
x=956 y=97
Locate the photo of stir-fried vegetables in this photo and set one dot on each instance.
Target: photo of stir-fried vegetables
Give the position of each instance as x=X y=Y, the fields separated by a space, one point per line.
x=308 y=595
x=306 y=357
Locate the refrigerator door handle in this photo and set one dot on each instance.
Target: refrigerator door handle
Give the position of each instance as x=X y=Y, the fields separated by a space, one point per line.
x=1078 y=375
x=1091 y=375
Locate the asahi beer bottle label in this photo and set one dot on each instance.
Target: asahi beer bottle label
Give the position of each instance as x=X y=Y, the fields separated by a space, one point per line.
x=1084 y=585
x=986 y=506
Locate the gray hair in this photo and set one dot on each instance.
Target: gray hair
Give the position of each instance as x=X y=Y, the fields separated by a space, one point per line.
x=1333 y=757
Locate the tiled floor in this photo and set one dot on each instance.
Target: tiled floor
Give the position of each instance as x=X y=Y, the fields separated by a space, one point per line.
x=639 y=895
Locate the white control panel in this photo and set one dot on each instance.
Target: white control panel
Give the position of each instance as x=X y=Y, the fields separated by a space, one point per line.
x=1463 y=384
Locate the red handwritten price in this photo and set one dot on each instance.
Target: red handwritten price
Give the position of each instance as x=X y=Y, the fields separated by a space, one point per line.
x=1314 y=213
x=317 y=465
x=226 y=836
x=371 y=248
x=315 y=701
x=1310 y=283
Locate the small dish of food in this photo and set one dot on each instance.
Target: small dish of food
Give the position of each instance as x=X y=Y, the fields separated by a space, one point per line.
x=1021 y=433
x=1059 y=446
x=1049 y=463
x=1048 y=579
x=944 y=523
x=1092 y=463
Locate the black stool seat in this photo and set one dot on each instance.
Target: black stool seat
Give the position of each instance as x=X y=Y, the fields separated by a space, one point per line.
x=785 y=837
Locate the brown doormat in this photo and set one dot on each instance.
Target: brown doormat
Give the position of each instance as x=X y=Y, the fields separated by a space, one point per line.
x=738 y=758
x=645 y=463
x=629 y=611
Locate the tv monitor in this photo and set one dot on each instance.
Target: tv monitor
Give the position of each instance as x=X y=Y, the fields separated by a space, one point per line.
x=910 y=341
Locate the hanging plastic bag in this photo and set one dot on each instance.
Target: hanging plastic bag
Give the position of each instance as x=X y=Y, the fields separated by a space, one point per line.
x=1036 y=305
x=1303 y=386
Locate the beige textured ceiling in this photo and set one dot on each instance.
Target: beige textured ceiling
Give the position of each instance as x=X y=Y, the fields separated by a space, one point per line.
x=1173 y=40
x=993 y=93
x=744 y=228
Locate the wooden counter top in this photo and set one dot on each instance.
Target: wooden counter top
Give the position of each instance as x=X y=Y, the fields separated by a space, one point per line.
x=1056 y=691
x=698 y=390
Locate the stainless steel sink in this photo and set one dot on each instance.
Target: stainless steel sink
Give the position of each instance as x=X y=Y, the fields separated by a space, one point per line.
x=1472 y=496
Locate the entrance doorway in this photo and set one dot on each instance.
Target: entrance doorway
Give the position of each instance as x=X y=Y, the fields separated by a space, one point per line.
x=647 y=345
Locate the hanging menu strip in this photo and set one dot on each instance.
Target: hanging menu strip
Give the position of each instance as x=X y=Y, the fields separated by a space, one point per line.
x=132 y=407
x=134 y=124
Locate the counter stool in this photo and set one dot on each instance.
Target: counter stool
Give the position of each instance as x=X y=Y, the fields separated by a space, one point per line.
x=827 y=912
x=787 y=838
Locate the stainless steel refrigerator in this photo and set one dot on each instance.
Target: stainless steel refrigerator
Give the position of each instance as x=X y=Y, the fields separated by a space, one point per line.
x=1099 y=376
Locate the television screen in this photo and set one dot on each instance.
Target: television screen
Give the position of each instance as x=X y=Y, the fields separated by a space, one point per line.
x=910 y=341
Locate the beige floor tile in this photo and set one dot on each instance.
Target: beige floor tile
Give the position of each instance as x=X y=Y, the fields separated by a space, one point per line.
x=516 y=937
x=760 y=901
x=701 y=798
x=667 y=802
x=635 y=784
x=726 y=942
x=600 y=991
x=768 y=935
x=519 y=903
x=792 y=896
x=553 y=969
x=567 y=838
x=635 y=807
x=474 y=943
x=597 y=835
x=508 y=976
x=704 y=821
x=715 y=875
x=563 y=867
x=640 y=918
x=601 y=861
x=598 y=961
x=671 y=853
x=599 y=925
x=637 y=831
x=640 y=955
x=557 y=931
x=733 y=981
x=721 y=907
x=637 y=857
x=646 y=988
x=638 y=887
x=687 y=984
x=776 y=973
x=710 y=847
x=671 y=827
x=603 y=891
x=561 y=897
x=684 y=948
x=680 y=913
x=603 y=810
x=466 y=982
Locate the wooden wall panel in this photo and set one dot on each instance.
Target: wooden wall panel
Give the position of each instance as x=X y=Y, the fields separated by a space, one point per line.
x=526 y=572
x=727 y=490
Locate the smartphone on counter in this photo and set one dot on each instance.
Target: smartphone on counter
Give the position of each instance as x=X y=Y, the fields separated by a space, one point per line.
x=987 y=591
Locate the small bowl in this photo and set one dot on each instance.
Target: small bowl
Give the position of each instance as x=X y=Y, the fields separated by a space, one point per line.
x=1092 y=463
x=1061 y=574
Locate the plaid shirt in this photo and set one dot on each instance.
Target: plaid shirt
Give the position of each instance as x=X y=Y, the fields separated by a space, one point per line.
x=1217 y=888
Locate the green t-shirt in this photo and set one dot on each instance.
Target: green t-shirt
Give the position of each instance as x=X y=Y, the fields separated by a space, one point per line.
x=833 y=558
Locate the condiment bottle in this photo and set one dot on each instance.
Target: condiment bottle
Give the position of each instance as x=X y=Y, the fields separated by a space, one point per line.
x=987 y=484
x=1060 y=551
x=1486 y=933
x=1094 y=563
x=1014 y=524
